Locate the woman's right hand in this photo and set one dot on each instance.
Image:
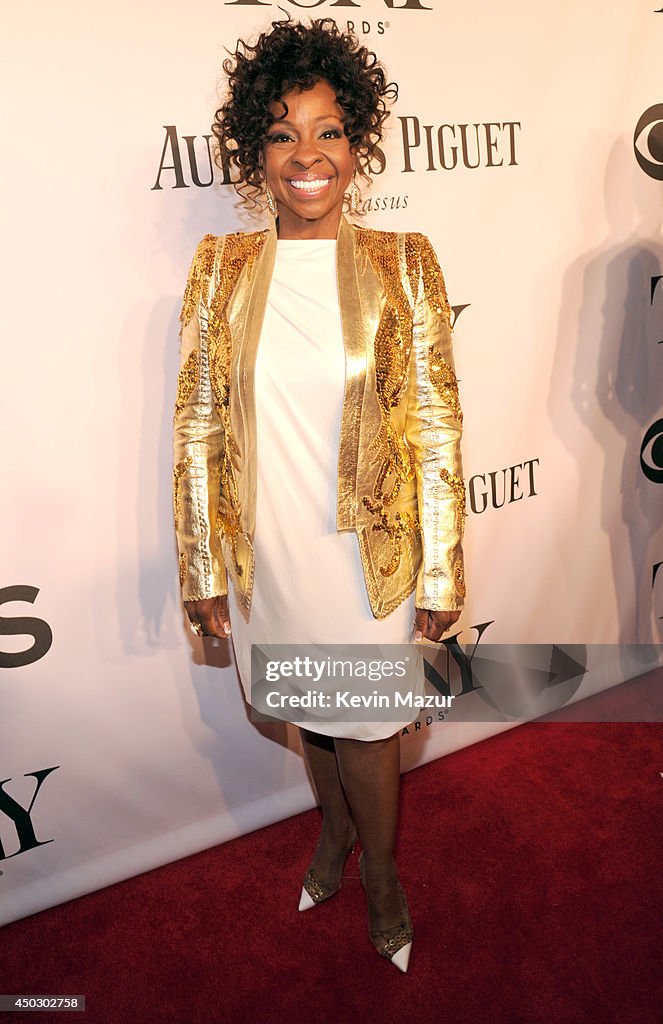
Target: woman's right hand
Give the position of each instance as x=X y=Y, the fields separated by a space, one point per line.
x=212 y=616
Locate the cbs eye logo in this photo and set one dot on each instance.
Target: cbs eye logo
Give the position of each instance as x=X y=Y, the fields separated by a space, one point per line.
x=651 y=453
x=648 y=141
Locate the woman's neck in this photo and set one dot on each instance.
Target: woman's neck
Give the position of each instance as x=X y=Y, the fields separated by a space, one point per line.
x=288 y=227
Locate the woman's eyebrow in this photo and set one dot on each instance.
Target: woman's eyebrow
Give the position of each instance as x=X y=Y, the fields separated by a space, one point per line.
x=320 y=117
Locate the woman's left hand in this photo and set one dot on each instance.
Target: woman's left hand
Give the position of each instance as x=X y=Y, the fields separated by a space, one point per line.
x=431 y=625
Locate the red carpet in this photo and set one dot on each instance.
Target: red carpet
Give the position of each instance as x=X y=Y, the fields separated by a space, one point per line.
x=532 y=864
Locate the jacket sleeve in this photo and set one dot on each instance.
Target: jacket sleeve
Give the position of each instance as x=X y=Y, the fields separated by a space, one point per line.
x=198 y=441
x=433 y=432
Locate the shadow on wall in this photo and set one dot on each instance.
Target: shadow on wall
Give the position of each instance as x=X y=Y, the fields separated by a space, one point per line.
x=608 y=370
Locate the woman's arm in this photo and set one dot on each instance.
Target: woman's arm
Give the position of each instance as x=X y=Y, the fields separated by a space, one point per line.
x=433 y=432
x=198 y=446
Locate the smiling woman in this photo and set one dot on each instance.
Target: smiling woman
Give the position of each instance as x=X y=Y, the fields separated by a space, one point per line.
x=308 y=162
x=292 y=59
x=317 y=433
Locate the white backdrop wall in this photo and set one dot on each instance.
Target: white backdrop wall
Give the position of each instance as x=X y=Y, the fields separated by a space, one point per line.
x=124 y=740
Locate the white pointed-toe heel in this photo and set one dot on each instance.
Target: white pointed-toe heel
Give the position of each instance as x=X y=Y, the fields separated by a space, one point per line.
x=314 y=892
x=305 y=900
x=395 y=944
x=402 y=957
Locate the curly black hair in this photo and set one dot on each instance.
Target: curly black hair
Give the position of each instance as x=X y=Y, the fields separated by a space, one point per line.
x=288 y=56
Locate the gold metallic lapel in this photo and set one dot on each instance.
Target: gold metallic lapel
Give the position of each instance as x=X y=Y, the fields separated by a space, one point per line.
x=355 y=341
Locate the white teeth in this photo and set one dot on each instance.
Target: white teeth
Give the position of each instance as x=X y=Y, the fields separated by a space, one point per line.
x=308 y=185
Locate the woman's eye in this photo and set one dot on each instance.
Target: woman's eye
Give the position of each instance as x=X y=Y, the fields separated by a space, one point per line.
x=331 y=133
x=281 y=137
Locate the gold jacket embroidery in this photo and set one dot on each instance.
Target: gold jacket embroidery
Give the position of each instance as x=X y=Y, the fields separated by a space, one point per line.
x=400 y=483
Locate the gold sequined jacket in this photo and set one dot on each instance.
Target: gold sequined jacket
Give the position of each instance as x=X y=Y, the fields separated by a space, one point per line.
x=400 y=485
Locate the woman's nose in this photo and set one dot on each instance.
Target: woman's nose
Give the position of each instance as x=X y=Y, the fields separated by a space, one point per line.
x=306 y=152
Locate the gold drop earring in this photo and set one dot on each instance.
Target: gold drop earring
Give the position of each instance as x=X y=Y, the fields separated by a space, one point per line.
x=270 y=201
x=355 y=195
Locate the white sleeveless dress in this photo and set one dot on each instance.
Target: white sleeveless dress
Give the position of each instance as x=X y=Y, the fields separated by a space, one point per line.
x=309 y=584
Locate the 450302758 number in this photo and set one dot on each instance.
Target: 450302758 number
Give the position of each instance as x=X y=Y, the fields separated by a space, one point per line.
x=41 y=1002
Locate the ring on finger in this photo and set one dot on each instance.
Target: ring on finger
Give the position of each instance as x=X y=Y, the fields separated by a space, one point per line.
x=197 y=628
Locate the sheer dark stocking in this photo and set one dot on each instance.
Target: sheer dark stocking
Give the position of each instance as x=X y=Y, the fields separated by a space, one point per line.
x=370 y=775
x=338 y=829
